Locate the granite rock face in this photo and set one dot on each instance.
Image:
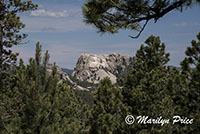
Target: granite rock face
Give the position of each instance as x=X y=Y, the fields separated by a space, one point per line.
x=92 y=68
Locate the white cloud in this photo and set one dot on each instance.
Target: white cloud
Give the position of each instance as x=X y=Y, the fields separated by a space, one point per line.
x=67 y=19
x=42 y=24
x=182 y=24
x=187 y=24
x=45 y=13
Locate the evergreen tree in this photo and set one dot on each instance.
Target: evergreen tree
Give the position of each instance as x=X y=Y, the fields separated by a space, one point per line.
x=112 y=15
x=146 y=59
x=191 y=73
x=38 y=102
x=151 y=87
x=10 y=26
x=108 y=112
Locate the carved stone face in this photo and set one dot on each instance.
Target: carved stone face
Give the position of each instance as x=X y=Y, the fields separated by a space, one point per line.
x=93 y=68
x=96 y=62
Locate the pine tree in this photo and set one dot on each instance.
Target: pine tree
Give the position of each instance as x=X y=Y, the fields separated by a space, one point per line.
x=191 y=73
x=38 y=102
x=10 y=26
x=113 y=15
x=146 y=59
x=151 y=87
x=108 y=112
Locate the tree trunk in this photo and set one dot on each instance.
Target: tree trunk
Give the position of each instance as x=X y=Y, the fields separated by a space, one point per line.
x=1 y=33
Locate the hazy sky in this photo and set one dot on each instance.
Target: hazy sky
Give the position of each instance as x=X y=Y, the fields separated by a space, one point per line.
x=58 y=25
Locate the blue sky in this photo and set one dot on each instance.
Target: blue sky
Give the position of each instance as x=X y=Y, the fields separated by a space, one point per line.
x=58 y=26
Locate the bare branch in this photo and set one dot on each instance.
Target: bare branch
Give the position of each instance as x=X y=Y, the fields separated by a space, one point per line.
x=135 y=37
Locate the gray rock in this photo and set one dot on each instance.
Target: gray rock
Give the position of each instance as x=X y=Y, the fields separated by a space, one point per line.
x=93 y=68
x=65 y=77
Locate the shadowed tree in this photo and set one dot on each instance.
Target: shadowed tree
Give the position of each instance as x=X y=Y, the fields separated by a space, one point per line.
x=35 y=101
x=10 y=26
x=151 y=88
x=108 y=112
x=112 y=15
x=191 y=74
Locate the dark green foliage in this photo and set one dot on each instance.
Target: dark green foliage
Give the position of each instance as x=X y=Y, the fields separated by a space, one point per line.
x=86 y=96
x=153 y=89
x=112 y=15
x=108 y=112
x=35 y=101
x=10 y=26
x=192 y=76
x=147 y=58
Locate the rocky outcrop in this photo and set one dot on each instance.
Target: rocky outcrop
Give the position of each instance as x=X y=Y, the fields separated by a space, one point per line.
x=64 y=76
x=92 y=68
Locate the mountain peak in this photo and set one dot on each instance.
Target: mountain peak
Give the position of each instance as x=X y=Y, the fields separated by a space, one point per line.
x=92 y=67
